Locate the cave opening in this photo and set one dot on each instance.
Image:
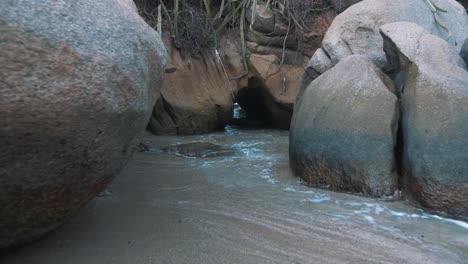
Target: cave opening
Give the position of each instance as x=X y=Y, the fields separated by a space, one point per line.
x=250 y=110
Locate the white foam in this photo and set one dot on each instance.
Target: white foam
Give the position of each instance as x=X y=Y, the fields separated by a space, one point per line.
x=369 y=219
x=229 y=130
x=400 y=214
x=317 y=200
x=448 y=220
x=338 y=216
x=244 y=144
x=294 y=190
x=266 y=174
x=362 y=211
x=208 y=164
x=379 y=209
x=353 y=203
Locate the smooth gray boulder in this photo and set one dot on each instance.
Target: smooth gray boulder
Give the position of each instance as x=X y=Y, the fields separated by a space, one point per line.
x=318 y=64
x=343 y=130
x=434 y=124
x=356 y=30
x=78 y=83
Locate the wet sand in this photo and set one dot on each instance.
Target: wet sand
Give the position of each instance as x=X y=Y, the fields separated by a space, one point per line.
x=242 y=208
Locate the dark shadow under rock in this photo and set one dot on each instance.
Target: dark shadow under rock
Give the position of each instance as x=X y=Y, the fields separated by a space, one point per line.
x=199 y=150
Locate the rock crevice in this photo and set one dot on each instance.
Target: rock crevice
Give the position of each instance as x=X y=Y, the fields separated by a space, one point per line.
x=434 y=107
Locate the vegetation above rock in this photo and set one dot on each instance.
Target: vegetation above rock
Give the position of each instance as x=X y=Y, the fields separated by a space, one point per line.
x=194 y=25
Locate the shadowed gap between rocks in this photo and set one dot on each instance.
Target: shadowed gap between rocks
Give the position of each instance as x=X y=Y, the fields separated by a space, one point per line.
x=399 y=78
x=250 y=109
x=399 y=144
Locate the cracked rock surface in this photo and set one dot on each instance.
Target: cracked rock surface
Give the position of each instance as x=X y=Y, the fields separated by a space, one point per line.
x=434 y=106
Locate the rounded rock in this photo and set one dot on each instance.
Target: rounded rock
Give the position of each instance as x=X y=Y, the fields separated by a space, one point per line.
x=78 y=83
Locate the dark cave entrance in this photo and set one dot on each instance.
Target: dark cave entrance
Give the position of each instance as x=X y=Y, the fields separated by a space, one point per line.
x=250 y=109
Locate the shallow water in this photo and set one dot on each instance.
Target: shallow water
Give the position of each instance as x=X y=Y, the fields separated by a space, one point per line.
x=243 y=208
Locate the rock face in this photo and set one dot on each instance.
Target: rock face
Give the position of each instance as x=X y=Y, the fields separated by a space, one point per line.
x=79 y=80
x=277 y=87
x=356 y=30
x=197 y=94
x=343 y=130
x=434 y=125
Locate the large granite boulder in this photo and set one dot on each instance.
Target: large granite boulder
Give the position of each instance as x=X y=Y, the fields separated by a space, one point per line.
x=434 y=124
x=78 y=83
x=356 y=30
x=343 y=130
